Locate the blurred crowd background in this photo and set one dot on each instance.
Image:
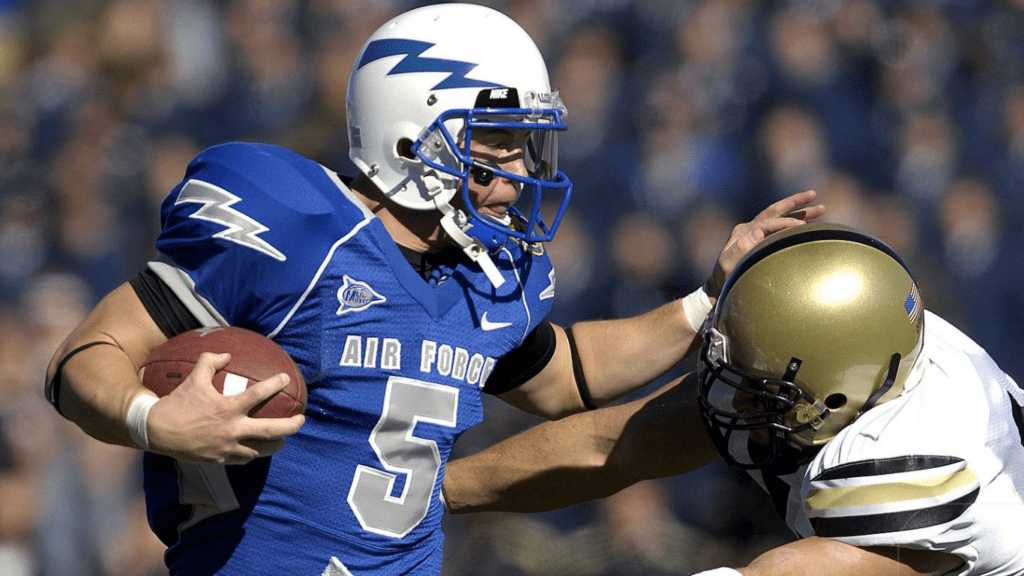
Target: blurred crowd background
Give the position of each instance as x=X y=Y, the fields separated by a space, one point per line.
x=687 y=117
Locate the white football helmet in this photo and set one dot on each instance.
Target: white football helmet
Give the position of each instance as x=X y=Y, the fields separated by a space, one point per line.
x=815 y=326
x=419 y=87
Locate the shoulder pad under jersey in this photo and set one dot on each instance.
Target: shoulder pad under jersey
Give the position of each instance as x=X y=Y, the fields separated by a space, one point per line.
x=251 y=224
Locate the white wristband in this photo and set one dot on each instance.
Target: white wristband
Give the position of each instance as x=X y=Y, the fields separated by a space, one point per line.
x=138 y=414
x=696 y=306
x=719 y=572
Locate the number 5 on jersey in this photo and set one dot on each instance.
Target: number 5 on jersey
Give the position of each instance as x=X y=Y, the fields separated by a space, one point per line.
x=407 y=402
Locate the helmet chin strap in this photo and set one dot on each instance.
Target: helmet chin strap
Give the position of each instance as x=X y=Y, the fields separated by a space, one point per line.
x=455 y=223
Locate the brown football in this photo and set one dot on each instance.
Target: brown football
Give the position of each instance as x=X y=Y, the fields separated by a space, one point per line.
x=254 y=357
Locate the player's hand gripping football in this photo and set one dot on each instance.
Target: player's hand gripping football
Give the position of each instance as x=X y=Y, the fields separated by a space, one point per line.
x=786 y=213
x=196 y=423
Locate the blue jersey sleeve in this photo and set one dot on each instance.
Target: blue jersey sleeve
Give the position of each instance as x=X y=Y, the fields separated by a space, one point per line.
x=251 y=225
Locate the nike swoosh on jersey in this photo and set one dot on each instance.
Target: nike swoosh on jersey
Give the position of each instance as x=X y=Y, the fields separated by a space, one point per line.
x=486 y=324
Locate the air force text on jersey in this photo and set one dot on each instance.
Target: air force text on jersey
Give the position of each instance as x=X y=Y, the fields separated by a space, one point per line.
x=453 y=362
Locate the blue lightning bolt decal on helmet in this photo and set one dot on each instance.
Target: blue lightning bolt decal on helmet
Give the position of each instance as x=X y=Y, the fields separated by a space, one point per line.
x=416 y=95
x=377 y=49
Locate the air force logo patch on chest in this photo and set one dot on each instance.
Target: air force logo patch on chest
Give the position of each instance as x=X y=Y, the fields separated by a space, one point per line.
x=355 y=296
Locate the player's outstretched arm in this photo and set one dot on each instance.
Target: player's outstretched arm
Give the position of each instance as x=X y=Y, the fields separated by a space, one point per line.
x=616 y=357
x=99 y=383
x=584 y=456
x=814 y=556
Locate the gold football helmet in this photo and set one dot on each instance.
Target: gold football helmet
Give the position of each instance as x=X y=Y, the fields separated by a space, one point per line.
x=816 y=325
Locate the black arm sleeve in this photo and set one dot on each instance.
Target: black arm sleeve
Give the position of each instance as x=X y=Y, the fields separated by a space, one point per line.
x=167 y=311
x=524 y=362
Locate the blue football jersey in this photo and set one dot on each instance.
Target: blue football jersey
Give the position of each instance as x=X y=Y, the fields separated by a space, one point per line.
x=260 y=237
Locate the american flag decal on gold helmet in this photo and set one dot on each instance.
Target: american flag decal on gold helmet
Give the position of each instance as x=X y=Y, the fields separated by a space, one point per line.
x=913 y=303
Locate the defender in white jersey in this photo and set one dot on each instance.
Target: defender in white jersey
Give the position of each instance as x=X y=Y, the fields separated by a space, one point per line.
x=403 y=294
x=888 y=440
x=939 y=468
x=869 y=421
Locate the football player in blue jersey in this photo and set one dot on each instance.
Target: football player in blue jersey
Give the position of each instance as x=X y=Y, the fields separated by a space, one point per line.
x=889 y=442
x=402 y=295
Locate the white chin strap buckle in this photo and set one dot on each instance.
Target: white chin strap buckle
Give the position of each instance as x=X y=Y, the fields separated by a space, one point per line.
x=454 y=223
x=473 y=248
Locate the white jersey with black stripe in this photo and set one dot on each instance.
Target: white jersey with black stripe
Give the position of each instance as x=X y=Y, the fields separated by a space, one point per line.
x=939 y=468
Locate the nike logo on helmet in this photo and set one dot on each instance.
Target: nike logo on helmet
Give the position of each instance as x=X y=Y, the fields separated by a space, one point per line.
x=486 y=324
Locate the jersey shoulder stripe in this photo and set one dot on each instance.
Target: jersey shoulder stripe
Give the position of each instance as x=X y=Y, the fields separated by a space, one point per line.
x=890 y=495
x=885 y=466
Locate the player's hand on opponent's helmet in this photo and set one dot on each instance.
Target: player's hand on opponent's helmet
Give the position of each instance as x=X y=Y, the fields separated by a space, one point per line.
x=196 y=423
x=791 y=211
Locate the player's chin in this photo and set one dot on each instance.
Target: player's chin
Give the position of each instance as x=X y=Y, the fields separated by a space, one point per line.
x=497 y=212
